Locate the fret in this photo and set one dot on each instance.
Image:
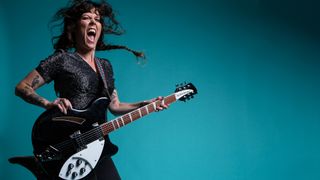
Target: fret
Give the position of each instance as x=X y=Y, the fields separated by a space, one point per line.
x=130 y=117
x=114 y=127
x=154 y=105
x=123 y=121
x=111 y=126
x=146 y=107
x=140 y=114
x=114 y=122
x=120 y=122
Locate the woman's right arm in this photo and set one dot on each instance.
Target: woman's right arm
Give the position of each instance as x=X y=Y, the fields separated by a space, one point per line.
x=26 y=89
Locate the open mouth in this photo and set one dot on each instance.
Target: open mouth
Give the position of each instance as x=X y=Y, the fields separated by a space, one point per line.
x=91 y=34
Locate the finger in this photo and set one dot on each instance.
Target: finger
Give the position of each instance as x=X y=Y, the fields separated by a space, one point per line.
x=162 y=103
x=159 y=108
x=164 y=106
x=60 y=108
x=67 y=104
x=63 y=106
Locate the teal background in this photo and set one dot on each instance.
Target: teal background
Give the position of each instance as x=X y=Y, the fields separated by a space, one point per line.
x=255 y=64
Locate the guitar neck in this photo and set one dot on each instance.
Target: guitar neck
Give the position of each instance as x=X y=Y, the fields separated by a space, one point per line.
x=123 y=120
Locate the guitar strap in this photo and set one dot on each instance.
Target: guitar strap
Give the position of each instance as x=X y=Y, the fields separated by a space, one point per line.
x=113 y=148
x=103 y=77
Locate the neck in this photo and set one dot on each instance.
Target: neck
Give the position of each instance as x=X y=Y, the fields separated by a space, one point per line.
x=86 y=55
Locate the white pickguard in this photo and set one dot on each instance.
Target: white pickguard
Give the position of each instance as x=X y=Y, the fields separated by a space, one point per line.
x=82 y=163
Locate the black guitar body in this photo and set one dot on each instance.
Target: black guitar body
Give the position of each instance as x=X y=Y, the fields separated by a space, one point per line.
x=53 y=134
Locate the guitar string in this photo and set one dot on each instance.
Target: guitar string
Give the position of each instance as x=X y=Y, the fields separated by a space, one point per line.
x=87 y=136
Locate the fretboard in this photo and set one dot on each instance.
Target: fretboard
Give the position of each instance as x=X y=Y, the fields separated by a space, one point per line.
x=134 y=115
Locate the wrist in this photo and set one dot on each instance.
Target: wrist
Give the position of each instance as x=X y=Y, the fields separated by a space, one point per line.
x=47 y=104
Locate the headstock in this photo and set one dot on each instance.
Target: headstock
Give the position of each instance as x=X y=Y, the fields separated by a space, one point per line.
x=185 y=91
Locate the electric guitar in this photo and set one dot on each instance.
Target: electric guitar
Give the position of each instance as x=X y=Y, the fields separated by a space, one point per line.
x=69 y=146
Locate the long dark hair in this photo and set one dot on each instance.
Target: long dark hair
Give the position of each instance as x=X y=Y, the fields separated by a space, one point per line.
x=72 y=13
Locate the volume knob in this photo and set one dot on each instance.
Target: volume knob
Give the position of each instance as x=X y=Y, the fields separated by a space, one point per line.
x=82 y=170
x=74 y=175
x=79 y=161
x=70 y=166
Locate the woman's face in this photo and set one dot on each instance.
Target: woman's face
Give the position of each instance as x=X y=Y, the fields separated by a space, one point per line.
x=88 y=31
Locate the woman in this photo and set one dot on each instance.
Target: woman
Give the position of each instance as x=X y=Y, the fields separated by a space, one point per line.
x=74 y=68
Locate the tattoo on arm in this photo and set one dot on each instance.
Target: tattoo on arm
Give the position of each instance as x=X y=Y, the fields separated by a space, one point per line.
x=28 y=94
x=35 y=81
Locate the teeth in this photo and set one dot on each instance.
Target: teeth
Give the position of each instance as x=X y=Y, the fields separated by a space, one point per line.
x=92 y=30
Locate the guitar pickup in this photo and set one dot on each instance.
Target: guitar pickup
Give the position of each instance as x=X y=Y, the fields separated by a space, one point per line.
x=79 y=143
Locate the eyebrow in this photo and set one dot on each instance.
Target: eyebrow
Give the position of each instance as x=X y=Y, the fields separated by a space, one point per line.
x=88 y=14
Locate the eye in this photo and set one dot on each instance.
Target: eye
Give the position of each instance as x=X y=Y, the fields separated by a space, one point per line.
x=85 y=17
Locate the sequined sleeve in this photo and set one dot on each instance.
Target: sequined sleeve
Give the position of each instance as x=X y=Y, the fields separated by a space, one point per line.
x=49 y=67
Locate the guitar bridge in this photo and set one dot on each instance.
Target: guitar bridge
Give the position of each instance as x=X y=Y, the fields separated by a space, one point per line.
x=50 y=154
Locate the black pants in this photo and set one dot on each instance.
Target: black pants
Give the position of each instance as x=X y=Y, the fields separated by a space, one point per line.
x=104 y=170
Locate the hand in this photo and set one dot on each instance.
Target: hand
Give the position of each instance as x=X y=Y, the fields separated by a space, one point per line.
x=159 y=107
x=62 y=103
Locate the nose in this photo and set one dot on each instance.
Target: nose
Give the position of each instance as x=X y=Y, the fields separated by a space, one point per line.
x=92 y=21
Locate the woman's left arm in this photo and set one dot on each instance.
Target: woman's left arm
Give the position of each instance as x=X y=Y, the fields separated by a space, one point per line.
x=119 y=108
